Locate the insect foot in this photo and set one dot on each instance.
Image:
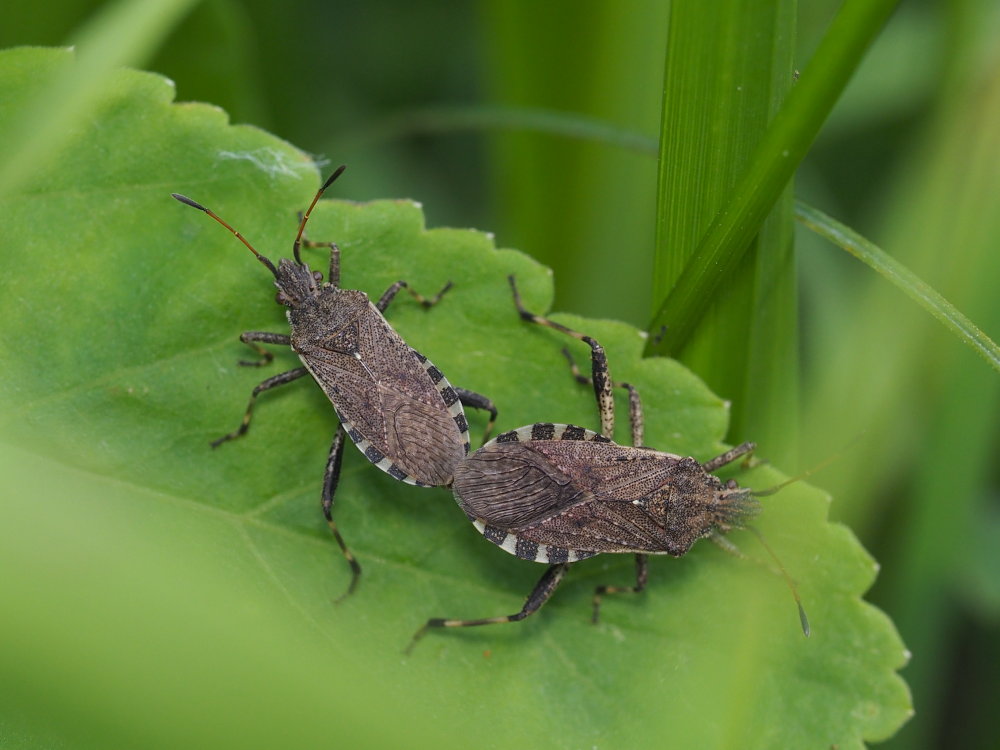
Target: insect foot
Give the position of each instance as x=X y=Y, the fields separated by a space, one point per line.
x=558 y=493
x=392 y=402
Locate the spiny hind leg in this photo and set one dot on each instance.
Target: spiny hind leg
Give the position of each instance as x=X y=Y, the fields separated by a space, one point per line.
x=601 y=378
x=543 y=590
x=635 y=414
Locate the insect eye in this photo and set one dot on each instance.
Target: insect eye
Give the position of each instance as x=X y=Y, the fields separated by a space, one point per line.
x=318 y=277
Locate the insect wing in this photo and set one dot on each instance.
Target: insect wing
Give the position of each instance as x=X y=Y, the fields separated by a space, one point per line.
x=599 y=526
x=395 y=405
x=510 y=485
x=612 y=472
x=583 y=494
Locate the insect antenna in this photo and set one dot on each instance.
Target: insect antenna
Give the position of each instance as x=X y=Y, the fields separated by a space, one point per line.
x=194 y=204
x=305 y=217
x=805 y=474
x=803 y=620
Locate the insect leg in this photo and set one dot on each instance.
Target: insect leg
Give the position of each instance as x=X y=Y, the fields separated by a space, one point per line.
x=728 y=457
x=250 y=338
x=479 y=401
x=330 y=479
x=635 y=414
x=272 y=382
x=539 y=595
x=601 y=377
x=634 y=402
x=641 y=577
x=391 y=292
x=724 y=543
x=334 y=275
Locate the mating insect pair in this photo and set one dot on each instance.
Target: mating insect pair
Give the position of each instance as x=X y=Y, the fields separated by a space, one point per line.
x=547 y=492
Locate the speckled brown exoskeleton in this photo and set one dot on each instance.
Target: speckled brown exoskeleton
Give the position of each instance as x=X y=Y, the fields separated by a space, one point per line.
x=393 y=403
x=559 y=493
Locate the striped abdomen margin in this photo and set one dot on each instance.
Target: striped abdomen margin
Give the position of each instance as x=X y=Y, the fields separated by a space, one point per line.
x=448 y=394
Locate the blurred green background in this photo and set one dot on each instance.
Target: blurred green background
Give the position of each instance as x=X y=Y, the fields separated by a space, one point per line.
x=417 y=97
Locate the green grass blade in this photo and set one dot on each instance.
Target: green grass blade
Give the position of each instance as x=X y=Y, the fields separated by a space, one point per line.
x=480 y=118
x=727 y=69
x=782 y=148
x=896 y=273
x=474 y=118
x=577 y=207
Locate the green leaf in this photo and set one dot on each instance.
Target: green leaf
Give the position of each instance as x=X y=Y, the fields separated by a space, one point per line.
x=122 y=33
x=165 y=594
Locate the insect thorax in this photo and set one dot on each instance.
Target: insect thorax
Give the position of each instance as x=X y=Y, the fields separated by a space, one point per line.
x=328 y=310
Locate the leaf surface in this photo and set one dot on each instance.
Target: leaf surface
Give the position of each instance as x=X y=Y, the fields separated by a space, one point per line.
x=167 y=593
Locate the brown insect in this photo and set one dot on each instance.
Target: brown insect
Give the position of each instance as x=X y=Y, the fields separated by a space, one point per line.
x=393 y=403
x=558 y=493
